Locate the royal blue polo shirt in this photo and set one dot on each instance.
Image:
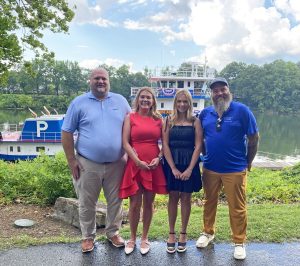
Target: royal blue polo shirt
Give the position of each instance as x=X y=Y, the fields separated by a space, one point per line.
x=99 y=124
x=226 y=150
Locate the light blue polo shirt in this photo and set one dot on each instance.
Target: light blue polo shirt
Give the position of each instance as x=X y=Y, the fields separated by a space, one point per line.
x=99 y=124
x=226 y=150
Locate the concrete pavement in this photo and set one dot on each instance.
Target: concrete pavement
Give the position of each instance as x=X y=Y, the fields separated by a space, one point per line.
x=258 y=254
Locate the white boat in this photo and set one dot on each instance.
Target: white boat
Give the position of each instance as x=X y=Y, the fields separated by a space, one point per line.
x=36 y=135
x=192 y=76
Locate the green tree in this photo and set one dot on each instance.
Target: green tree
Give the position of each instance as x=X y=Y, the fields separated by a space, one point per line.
x=122 y=80
x=29 y=18
x=74 y=79
x=273 y=87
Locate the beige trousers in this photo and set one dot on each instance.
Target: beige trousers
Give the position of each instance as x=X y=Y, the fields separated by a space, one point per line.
x=93 y=178
x=235 y=190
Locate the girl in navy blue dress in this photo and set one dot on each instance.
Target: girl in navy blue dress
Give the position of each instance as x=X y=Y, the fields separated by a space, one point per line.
x=182 y=144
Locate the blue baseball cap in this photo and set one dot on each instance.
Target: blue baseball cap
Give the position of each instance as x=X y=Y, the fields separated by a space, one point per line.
x=218 y=80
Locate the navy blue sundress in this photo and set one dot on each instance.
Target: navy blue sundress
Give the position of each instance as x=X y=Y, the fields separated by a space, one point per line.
x=182 y=144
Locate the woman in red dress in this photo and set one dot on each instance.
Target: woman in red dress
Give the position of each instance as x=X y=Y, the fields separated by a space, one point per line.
x=143 y=176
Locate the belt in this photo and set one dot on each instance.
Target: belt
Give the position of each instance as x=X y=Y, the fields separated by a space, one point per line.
x=90 y=160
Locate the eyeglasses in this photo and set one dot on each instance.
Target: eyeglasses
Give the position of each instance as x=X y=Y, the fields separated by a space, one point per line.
x=218 y=124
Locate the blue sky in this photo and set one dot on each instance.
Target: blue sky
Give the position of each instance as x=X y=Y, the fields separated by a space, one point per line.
x=157 y=33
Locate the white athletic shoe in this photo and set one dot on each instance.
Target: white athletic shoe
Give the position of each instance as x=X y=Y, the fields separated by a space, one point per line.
x=239 y=251
x=204 y=240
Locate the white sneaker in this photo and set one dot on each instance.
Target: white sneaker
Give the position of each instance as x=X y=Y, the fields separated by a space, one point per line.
x=204 y=240
x=239 y=251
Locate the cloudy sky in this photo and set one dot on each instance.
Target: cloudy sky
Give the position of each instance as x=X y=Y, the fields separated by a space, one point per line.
x=168 y=32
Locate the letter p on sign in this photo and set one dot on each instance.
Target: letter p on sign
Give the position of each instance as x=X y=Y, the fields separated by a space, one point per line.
x=41 y=126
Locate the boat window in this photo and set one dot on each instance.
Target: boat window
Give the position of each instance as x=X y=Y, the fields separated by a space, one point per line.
x=189 y=84
x=40 y=149
x=164 y=84
x=180 y=84
x=198 y=84
x=195 y=104
x=162 y=105
x=19 y=149
x=172 y=84
x=11 y=148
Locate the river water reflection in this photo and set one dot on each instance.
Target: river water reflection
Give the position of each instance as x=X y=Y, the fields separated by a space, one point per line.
x=279 y=135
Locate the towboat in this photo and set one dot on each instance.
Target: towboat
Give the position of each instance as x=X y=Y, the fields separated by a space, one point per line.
x=191 y=76
x=35 y=136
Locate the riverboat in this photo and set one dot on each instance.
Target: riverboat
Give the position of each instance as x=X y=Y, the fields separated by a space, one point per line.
x=28 y=140
x=192 y=76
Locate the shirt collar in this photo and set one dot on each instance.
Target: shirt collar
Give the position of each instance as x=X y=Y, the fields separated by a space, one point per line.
x=92 y=96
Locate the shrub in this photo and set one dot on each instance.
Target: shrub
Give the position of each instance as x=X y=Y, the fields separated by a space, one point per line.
x=43 y=180
x=40 y=181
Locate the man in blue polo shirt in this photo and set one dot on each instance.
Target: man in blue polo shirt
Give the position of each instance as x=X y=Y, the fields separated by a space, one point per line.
x=230 y=140
x=99 y=162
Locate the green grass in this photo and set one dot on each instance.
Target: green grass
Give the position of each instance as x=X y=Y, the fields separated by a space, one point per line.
x=266 y=223
x=273 y=197
x=24 y=241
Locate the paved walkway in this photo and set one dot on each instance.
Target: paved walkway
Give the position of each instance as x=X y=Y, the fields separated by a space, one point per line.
x=258 y=254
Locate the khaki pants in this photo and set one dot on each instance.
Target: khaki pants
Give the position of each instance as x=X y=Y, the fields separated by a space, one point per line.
x=93 y=178
x=235 y=189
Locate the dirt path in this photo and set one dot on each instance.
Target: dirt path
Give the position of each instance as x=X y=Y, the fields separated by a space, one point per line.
x=45 y=226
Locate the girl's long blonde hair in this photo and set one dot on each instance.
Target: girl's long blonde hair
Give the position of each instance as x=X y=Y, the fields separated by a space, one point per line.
x=189 y=114
x=153 y=110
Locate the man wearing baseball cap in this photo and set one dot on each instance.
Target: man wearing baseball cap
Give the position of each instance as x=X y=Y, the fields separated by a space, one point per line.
x=231 y=141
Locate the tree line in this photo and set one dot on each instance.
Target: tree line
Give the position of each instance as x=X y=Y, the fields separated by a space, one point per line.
x=273 y=87
x=55 y=83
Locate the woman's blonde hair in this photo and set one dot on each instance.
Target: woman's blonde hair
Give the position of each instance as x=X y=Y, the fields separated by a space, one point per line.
x=153 y=110
x=189 y=113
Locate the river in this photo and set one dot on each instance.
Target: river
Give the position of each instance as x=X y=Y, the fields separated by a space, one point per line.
x=279 y=135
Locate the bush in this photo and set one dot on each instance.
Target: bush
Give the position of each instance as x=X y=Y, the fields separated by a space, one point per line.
x=273 y=186
x=291 y=174
x=44 y=179
x=40 y=181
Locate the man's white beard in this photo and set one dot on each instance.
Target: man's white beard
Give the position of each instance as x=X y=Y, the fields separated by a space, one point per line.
x=221 y=105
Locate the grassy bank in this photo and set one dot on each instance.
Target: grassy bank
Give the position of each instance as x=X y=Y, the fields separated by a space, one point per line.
x=273 y=202
x=266 y=223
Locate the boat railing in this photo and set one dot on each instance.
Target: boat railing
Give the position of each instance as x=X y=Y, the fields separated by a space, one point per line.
x=166 y=73
x=163 y=92
x=43 y=137
x=5 y=127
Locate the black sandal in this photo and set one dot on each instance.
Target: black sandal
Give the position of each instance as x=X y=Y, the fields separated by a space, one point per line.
x=171 y=246
x=181 y=245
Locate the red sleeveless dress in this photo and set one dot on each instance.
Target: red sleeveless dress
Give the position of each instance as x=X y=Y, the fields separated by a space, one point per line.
x=145 y=132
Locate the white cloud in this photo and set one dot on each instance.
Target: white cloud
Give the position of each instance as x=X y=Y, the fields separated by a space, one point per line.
x=133 y=25
x=236 y=30
x=90 y=63
x=93 y=63
x=104 y=23
x=82 y=46
x=117 y=62
x=289 y=7
x=85 y=13
x=225 y=30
